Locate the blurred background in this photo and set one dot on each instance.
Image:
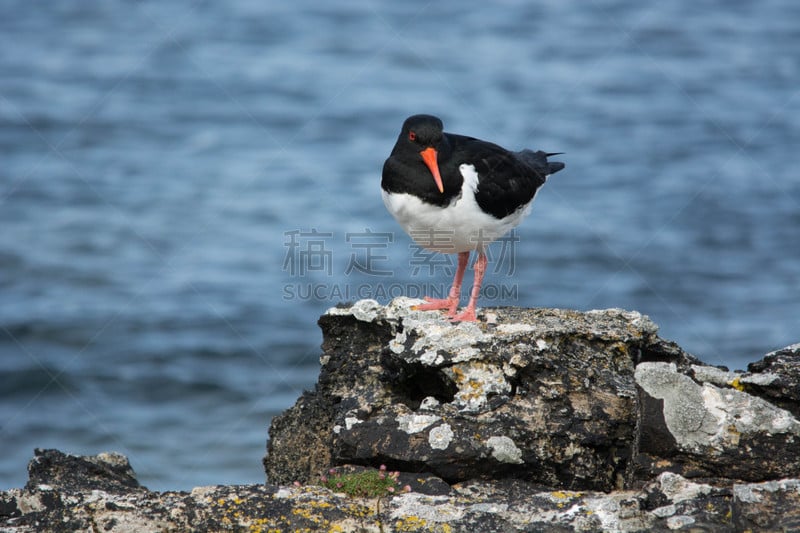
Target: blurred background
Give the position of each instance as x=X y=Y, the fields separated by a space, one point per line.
x=186 y=186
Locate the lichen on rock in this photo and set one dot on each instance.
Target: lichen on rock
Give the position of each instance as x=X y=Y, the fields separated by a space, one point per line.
x=558 y=384
x=529 y=420
x=722 y=431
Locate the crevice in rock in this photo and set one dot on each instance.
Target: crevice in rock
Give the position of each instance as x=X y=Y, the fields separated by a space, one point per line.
x=659 y=350
x=410 y=383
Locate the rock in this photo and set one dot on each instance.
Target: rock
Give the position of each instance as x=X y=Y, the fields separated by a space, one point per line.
x=309 y=421
x=669 y=502
x=537 y=419
x=776 y=378
x=110 y=472
x=713 y=431
x=545 y=395
x=768 y=506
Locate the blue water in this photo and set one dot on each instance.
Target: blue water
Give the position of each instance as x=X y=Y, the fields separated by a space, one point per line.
x=186 y=186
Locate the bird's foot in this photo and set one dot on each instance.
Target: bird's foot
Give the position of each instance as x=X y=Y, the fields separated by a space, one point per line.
x=467 y=315
x=434 y=304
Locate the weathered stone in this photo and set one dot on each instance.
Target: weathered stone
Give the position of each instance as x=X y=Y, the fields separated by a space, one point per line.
x=110 y=472
x=775 y=378
x=550 y=396
x=713 y=431
x=532 y=420
x=668 y=503
x=768 y=506
x=304 y=428
x=542 y=394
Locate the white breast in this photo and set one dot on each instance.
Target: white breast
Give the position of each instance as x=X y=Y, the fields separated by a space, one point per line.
x=459 y=227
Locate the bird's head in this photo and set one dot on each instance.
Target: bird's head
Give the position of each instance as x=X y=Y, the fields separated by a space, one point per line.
x=423 y=134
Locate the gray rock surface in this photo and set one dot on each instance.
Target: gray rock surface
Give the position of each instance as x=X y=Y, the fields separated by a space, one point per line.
x=530 y=420
x=669 y=502
x=776 y=378
x=52 y=467
x=717 y=431
x=544 y=395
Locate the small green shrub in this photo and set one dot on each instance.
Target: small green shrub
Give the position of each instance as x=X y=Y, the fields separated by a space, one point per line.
x=364 y=484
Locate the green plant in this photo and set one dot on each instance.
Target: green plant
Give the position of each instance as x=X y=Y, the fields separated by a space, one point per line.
x=365 y=484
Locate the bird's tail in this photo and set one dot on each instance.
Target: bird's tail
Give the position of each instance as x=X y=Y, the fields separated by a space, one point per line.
x=538 y=160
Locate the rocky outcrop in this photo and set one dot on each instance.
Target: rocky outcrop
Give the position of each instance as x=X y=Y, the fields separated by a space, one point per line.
x=669 y=502
x=529 y=420
x=543 y=395
x=776 y=378
x=110 y=472
x=574 y=401
x=714 y=429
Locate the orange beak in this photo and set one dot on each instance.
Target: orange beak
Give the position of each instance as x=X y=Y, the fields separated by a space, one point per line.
x=429 y=156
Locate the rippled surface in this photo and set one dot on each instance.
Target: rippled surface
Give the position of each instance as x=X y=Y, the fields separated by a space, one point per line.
x=163 y=165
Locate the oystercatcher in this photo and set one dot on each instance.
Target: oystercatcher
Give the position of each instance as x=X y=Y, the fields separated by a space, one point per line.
x=455 y=194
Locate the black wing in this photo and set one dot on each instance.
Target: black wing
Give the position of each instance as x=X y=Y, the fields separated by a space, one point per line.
x=507 y=180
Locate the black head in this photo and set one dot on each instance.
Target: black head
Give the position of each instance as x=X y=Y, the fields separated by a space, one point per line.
x=422 y=137
x=422 y=131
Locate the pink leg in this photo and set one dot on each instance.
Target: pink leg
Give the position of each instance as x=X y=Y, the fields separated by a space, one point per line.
x=468 y=315
x=451 y=302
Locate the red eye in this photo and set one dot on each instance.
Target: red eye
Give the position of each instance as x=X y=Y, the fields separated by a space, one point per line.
x=412 y=136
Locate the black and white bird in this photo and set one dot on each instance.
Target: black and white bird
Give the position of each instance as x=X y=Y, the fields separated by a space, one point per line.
x=456 y=194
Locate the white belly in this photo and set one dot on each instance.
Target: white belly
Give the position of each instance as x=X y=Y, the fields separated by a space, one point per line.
x=458 y=227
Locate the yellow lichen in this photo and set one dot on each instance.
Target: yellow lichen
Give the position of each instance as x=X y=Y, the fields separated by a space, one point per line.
x=736 y=384
x=415 y=523
x=302 y=512
x=359 y=511
x=411 y=523
x=563 y=495
x=321 y=505
x=264 y=525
